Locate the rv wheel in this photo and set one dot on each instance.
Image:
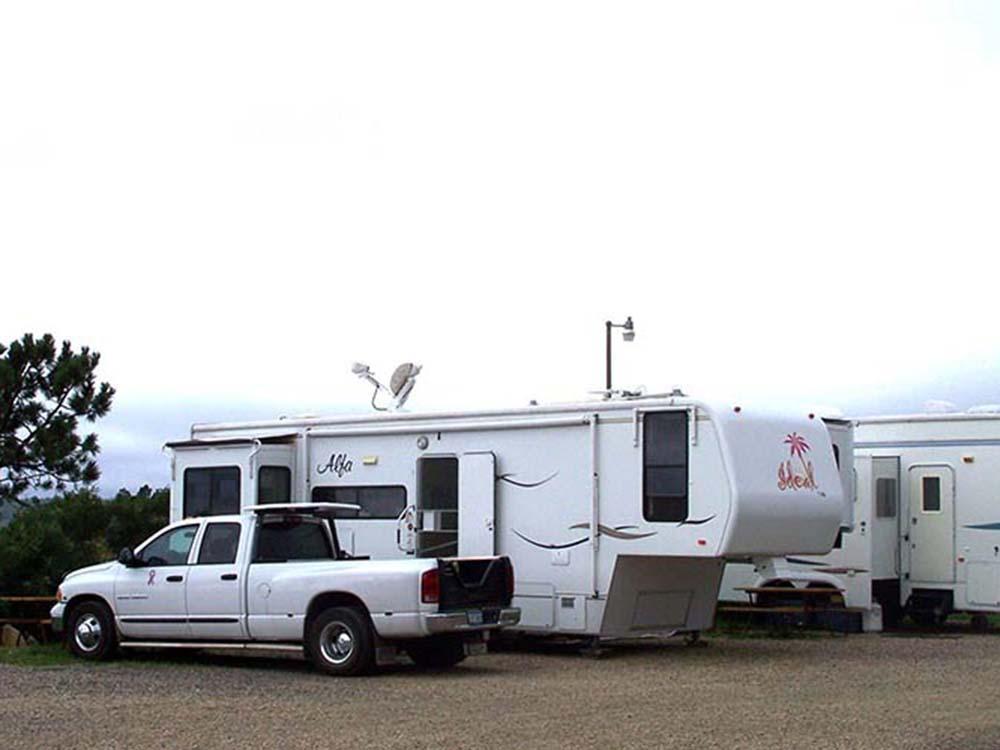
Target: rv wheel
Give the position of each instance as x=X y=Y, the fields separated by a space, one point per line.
x=437 y=653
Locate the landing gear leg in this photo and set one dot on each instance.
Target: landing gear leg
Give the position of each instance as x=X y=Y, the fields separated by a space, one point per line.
x=694 y=640
x=593 y=648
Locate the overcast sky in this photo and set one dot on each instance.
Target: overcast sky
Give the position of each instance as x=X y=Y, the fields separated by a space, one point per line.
x=796 y=202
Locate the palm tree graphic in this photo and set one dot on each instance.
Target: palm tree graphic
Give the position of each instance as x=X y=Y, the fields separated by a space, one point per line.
x=798 y=447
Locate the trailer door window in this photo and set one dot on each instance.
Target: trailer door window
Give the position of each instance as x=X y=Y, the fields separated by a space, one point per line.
x=274 y=485
x=211 y=491
x=885 y=498
x=931 y=495
x=376 y=501
x=665 y=466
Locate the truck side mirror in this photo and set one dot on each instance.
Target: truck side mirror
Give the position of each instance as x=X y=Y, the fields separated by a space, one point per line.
x=127 y=557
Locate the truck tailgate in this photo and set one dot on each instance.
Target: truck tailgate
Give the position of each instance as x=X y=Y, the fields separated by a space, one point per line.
x=475 y=582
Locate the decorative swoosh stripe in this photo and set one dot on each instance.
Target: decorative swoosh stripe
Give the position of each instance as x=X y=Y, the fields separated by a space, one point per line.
x=550 y=546
x=696 y=521
x=995 y=526
x=618 y=532
x=528 y=485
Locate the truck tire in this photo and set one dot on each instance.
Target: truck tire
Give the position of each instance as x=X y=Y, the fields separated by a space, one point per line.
x=90 y=632
x=340 y=642
x=437 y=653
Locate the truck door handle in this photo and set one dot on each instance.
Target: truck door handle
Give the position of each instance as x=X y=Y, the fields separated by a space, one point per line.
x=175 y=579
x=228 y=576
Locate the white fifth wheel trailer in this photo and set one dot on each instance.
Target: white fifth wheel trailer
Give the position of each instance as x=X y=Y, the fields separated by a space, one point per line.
x=617 y=514
x=927 y=540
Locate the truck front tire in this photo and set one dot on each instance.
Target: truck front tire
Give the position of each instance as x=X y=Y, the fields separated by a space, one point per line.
x=340 y=642
x=90 y=632
x=442 y=652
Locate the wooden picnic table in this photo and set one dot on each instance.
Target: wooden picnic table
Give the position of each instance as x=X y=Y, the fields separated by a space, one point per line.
x=40 y=624
x=27 y=599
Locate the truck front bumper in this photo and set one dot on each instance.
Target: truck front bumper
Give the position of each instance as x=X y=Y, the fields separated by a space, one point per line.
x=56 y=613
x=465 y=621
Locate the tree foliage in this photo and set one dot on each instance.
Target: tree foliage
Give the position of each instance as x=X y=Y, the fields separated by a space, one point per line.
x=46 y=540
x=44 y=391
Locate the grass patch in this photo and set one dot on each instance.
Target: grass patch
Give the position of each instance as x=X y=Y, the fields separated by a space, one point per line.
x=42 y=655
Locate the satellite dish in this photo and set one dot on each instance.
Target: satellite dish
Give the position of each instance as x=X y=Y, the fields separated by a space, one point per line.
x=400 y=385
x=402 y=381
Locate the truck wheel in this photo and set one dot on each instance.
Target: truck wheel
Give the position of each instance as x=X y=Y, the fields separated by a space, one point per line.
x=437 y=653
x=90 y=632
x=340 y=642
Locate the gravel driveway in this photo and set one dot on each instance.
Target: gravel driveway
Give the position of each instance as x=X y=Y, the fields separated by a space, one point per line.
x=868 y=691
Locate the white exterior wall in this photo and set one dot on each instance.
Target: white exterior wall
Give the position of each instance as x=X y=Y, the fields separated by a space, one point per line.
x=647 y=575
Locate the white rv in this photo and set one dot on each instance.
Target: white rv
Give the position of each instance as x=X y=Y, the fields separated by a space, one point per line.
x=616 y=514
x=926 y=541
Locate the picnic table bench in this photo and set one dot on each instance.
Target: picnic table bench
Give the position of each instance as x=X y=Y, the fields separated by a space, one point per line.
x=39 y=625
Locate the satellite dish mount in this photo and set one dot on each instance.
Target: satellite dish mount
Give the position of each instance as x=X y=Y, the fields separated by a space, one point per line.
x=401 y=384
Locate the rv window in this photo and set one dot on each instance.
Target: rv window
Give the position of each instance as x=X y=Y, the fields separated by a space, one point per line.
x=885 y=498
x=274 y=485
x=665 y=466
x=376 y=501
x=211 y=491
x=292 y=539
x=932 y=494
x=219 y=544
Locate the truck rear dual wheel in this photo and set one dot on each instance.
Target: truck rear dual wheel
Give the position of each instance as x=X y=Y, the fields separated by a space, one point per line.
x=90 y=632
x=340 y=642
x=442 y=652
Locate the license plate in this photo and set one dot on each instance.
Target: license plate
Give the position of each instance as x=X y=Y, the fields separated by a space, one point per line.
x=475 y=616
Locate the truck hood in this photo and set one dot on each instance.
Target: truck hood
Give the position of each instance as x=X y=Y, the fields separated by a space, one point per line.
x=99 y=568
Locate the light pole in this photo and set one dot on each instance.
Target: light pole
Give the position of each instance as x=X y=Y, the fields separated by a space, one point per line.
x=628 y=334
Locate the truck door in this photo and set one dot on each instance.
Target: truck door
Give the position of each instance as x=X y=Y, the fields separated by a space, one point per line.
x=214 y=589
x=476 y=504
x=931 y=520
x=149 y=598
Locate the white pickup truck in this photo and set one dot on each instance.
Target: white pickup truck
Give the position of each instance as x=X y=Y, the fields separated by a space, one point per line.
x=275 y=577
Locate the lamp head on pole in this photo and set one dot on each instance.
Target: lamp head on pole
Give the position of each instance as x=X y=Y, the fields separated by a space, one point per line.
x=628 y=329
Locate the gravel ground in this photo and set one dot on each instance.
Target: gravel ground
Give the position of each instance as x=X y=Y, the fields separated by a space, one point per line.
x=866 y=691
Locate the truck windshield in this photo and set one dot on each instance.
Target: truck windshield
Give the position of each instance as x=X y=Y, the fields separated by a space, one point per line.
x=284 y=539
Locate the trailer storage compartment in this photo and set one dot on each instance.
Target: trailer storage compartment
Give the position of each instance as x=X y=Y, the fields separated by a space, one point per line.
x=477 y=582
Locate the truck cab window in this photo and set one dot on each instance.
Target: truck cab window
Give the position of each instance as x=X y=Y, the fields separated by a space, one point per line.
x=211 y=491
x=282 y=540
x=170 y=548
x=219 y=544
x=665 y=466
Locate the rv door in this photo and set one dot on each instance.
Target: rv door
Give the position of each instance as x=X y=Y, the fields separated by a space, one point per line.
x=476 y=487
x=932 y=523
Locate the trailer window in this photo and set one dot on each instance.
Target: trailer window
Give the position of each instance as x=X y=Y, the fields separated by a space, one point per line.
x=931 y=494
x=219 y=544
x=376 y=501
x=211 y=491
x=274 y=485
x=885 y=498
x=665 y=466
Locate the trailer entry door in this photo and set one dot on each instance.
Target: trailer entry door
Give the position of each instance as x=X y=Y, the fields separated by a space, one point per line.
x=932 y=524
x=476 y=486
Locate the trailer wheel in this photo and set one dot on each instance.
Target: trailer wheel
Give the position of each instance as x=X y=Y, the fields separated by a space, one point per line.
x=437 y=653
x=340 y=642
x=980 y=623
x=90 y=632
